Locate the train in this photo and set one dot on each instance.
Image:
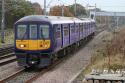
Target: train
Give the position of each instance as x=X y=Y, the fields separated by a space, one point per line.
x=40 y=40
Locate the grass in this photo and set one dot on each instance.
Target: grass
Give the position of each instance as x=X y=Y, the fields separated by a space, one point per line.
x=8 y=38
x=110 y=56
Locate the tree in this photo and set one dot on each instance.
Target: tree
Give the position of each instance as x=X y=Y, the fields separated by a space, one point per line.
x=57 y=11
x=80 y=10
x=37 y=8
x=16 y=9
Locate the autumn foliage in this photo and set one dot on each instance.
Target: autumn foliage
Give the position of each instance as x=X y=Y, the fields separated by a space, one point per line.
x=57 y=11
x=37 y=9
x=117 y=44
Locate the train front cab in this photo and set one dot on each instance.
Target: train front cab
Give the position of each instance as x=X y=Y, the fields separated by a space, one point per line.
x=33 y=44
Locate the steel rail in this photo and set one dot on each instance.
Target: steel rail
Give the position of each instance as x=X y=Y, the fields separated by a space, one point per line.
x=4 y=80
x=7 y=56
x=7 y=61
x=47 y=69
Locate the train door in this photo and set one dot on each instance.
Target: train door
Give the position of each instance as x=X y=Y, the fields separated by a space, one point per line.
x=84 y=30
x=72 y=33
x=88 y=29
x=85 y=27
x=91 y=27
x=65 y=31
x=77 y=31
x=58 y=36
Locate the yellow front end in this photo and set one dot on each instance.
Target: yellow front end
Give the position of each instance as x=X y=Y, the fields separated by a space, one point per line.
x=32 y=44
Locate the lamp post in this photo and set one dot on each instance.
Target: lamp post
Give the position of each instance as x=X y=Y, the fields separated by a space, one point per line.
x=62 y=10
x=75 y=8
x=44 y=7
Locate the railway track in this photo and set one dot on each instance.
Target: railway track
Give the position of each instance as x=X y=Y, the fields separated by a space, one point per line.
x=7 y=55
x=12 y=76
x=6 y=59
x=44 y=71
x=6 y=49
x=24 y=76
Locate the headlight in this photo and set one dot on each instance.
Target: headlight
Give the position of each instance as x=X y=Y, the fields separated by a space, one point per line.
x=22 y=46
x=45 y=46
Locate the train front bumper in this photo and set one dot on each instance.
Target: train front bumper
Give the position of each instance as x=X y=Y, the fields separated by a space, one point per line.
x=27 y=60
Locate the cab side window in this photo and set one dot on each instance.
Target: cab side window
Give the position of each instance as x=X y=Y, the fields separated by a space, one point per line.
x=58 y=31
x=44 y=31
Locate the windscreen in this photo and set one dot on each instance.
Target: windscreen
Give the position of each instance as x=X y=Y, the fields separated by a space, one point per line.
x=33 y=31
x=21 y=31
x=44 y=31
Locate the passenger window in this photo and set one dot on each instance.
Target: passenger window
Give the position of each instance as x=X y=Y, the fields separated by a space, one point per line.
x=85 y=25
x=81 y=27
x=72 y=29
x=58 y=32
x=66 y=31
x=77 y=29
x=33 y=31
x=89 y=25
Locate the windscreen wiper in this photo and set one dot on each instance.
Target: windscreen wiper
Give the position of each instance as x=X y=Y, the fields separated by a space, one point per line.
x=42 y=35
x=23 y=36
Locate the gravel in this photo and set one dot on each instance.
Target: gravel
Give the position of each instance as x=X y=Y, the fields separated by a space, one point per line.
x=8 y=69
x=65 y=72
x=23 y=77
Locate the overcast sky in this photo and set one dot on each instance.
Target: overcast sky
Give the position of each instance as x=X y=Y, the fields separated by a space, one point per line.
x=108 y=5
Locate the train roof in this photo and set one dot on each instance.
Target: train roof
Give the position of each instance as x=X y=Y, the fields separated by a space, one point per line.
x=87 y=19
x=44 y=18
x=52 y=19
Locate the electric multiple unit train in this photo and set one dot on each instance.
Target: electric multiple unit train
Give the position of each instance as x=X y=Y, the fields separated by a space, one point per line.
x=40 y=39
